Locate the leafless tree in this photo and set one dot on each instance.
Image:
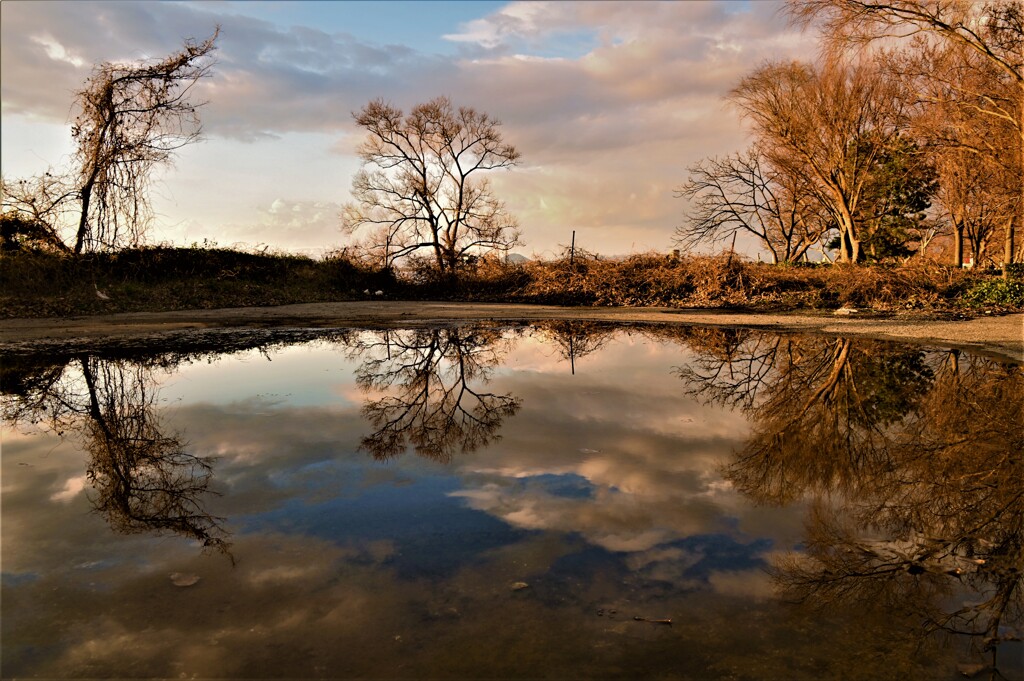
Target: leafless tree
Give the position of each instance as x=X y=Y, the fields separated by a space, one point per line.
x=421 y=184
x=977 y=198
x=131 y=118
x=828 y=124
x=745 y=193
x=991 y=33
x=35 y=208
x=965 y=115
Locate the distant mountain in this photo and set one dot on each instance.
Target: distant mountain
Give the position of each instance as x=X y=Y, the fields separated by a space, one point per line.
x=516 y=259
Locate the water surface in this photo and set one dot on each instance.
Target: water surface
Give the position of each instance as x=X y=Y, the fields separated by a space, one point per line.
x=513 y=502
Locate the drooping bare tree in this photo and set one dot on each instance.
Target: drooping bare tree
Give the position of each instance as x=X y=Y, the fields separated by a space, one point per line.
x=745 y=193
x=988 y=35
x=421 y=185
x=145 y=480
x=131 y=118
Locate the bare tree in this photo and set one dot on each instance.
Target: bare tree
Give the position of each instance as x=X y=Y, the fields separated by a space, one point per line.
x=131 y=118
x=975 y=194
x=966 y=115
x=828 y=124
x=992 y=33
x=33 y=210
x=745 y=193
x=420 y=187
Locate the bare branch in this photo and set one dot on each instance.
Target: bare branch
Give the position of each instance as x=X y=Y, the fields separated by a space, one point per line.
x=418 y=188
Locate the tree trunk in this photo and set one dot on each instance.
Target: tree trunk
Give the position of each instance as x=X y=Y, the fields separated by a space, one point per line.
x=850 y=244
x=439 y=256
x=96 y=163
x=850 y=252
x=1019 y=213
x=83 y=220
x=1008 y=246
x=978 y=249
x=958 y=245
x=844 y=247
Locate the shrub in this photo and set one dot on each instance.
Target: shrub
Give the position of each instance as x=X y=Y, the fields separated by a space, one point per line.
x=1007 y=293
x=36 y=283
x=1015 y=270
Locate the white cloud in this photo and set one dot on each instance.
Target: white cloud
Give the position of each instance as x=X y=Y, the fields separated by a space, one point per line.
x=57 y=52
x=515 y=20
x=606 y=101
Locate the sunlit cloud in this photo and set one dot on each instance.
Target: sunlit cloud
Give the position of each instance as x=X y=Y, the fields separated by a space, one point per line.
x=608 y=102
x=57 y=52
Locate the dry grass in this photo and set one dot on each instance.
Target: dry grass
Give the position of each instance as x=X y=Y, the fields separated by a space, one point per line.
x=46 y=284
x=720 y=281
x=39 y=284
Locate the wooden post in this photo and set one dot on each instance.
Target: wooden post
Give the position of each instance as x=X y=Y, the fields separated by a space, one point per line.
x=572 y=249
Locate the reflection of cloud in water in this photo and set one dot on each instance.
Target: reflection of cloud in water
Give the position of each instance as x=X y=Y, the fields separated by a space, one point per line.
x=648 y=459
x=743 y=583
x=301 y=607
x=651 y=474
x=72 y=488
x=612 y=519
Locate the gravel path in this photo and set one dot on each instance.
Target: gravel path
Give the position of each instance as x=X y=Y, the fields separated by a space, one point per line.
x=1002 y=336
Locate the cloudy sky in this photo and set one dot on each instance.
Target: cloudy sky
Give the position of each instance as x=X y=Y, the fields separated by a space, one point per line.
x=608 y=102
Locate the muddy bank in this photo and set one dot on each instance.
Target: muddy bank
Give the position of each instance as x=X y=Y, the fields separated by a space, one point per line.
x=995 y=335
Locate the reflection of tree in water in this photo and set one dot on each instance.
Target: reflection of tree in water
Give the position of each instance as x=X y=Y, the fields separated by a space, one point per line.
x=731 y=365
x=432 y=381
x=912 y=462
x=821 y=408
x=576 y=339
x=143 y=479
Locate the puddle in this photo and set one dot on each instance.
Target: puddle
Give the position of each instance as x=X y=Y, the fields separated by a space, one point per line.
x=556 y=500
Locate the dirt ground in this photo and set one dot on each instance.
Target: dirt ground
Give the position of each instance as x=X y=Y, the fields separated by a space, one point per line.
x=1001 y=336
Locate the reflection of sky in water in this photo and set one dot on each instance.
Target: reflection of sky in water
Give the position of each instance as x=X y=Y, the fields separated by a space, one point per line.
x=603 y=495
x=303 y=375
